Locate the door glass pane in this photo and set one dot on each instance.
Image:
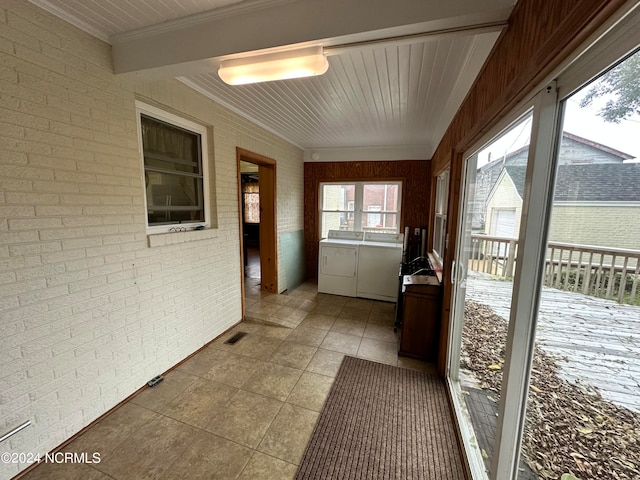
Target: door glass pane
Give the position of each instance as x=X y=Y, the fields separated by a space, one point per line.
x=583 y=409
x=487 y=255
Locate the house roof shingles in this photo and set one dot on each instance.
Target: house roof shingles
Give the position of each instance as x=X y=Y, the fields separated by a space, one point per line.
x=607 y=182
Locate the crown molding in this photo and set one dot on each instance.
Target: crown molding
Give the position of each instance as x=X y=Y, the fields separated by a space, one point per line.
x=73 y=20
x=197 y=19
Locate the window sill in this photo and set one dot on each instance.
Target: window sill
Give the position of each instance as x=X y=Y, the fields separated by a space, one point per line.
x=160 y=239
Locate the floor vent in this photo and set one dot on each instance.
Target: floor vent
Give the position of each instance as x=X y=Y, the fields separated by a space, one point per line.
x=235 y=338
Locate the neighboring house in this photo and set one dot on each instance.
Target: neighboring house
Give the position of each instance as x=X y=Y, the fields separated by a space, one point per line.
x=574 y=150
x=610 y=208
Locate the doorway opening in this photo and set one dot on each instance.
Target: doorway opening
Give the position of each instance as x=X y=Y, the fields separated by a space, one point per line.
x=257 y=217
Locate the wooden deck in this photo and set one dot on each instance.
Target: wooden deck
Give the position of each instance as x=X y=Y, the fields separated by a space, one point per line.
x=596 y=341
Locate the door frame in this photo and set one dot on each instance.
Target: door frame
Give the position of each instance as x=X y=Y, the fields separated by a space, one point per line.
x=268 y=220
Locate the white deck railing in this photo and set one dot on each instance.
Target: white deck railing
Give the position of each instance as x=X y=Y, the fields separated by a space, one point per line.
x=612 y=273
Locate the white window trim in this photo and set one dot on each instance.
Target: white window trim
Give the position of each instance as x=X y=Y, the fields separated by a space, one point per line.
x=162 y=115
x=441 y=208
x=358 y=209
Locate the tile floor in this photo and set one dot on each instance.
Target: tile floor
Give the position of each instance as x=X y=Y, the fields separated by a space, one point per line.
x=243 y=411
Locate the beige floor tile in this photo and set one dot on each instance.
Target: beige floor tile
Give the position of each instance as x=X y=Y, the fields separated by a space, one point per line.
x=233 y=369
x=325 y=362
x=355 y=313
x=311 y=391
x=209 y=457
x=254 y=346
x=382 y=318
x=383 y=352
x=293 y=355
x=331 y=309
x=201 y=362
x=383 y=307
x=107 y=434
x=150 y=451
x=279 y=299
x=279 y=333
x=331 y=299
x=66 y=471
x=265 y=467
x=316 y=320
x=289 y=317
x=340 y=342
x=274 y=381
x=289 y=433
x=156 y=398
x=380 y=332
x=307 y=336
x=246 y=419
x=200 y=402
x=263 y=308
x=303 y=304
x=349 y=327
x=360 y=303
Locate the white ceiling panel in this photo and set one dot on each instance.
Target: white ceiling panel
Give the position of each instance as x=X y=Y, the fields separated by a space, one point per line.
x=391 y=94
x=111 y=17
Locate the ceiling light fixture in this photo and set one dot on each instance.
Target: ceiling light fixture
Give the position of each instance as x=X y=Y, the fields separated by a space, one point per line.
x=305 y=62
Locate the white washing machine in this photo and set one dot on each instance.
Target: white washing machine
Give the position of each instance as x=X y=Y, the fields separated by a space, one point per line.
x=338 y=263
x=379 y=259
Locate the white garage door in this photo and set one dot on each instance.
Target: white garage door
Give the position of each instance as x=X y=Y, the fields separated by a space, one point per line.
x=503 y=223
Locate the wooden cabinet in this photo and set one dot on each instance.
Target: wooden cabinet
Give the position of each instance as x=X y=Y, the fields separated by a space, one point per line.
x=420 y=333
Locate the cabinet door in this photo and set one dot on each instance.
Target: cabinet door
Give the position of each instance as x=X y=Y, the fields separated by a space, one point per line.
x=420 y=326
x=338 y=261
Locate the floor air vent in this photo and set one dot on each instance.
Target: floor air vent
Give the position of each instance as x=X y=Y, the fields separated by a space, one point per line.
x=235 y=338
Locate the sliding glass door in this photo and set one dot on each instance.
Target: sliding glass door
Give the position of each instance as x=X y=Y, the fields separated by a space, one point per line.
x=544 y=351
x=487 y=252
x=583 y=404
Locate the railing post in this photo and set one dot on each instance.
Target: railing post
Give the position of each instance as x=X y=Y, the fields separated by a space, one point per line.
x=623 y=281
x=511 y=258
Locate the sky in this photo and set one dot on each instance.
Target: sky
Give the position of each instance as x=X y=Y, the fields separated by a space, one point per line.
x=584 y=122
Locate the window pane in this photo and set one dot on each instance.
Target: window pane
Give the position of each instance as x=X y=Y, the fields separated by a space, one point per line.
x=172 y=190
x=335 y=221
x=338 y=197
x=252 y=207
x=380 y=197
x=169 y=141
x=583 y=408
x=380 y=222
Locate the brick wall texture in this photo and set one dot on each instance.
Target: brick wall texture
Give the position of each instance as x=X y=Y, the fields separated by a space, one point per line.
x=90 y=306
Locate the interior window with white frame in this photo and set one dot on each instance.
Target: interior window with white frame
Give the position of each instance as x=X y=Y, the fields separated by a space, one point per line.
x=440 y=219
x=175 y=171
x=360 y=206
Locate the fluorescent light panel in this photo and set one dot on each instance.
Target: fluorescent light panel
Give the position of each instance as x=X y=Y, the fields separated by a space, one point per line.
x=276 y=66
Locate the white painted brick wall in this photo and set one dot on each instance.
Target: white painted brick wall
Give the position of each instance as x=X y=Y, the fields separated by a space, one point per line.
x=90 y=308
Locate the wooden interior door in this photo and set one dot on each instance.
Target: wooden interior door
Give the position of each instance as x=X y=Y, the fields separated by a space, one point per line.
x=268 y=220
x=268 y=236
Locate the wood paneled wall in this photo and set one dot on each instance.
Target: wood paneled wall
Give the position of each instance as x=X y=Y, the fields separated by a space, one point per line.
x=414 y=174
x=541 y=34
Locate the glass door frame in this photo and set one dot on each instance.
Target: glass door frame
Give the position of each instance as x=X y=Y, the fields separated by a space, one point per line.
x=521 y=333
x=603 y=49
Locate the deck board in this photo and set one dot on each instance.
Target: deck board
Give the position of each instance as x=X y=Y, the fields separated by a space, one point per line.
x=595 y=341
